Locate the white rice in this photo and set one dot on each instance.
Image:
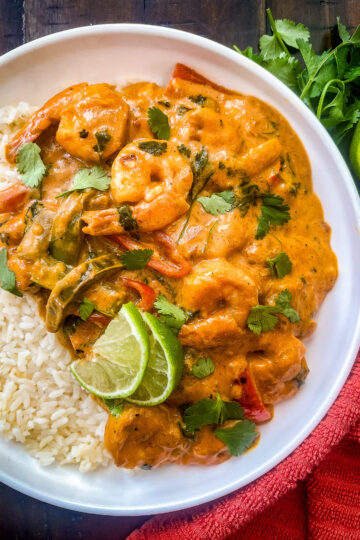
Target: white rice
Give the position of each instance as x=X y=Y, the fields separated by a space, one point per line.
x=42 y=406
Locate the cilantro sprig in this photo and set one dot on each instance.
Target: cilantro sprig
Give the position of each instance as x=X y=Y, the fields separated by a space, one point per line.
x=203 y=367
x=7 y=276
x=30 y=165
x=159 y=123
x=237 y=438
x=328 y=83
x=280 y=265
x=170 y=314
x=218 y=203
x=136 y=259
x=265 y=318
x=273 y=212
x=96 y=178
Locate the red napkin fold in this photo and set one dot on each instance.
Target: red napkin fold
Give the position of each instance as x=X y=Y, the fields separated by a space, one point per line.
x=280 y=505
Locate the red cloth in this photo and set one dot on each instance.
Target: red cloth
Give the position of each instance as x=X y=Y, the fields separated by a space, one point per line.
x=281 y=505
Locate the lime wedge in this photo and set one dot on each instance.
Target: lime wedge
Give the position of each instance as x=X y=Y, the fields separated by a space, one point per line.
x=355 y=150
x=165 y=366
x=120 y=357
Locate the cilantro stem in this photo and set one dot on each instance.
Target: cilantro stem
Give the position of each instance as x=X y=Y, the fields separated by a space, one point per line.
x=210 y=235
x=276 y=33
x=194 y=197
x=325 y=59
x=320 y=108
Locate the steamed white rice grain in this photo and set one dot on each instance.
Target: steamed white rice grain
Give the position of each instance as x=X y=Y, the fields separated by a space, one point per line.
x=42 y=406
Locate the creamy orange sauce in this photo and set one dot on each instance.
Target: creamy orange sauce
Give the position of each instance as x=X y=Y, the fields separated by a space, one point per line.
x=247 y=142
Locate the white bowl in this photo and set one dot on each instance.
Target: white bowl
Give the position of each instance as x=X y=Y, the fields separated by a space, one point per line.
x=120 y=53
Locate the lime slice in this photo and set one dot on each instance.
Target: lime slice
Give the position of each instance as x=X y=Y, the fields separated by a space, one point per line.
x=120 y=357
x=166 y=362
x=355 y=150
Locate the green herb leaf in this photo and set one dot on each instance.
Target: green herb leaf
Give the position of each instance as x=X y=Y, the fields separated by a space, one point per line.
x=208 y=411
x=291 y=32
x=127 y=221
x=264 y=318
x=115 y=406
x=184 y=150
x=30 y=165
x=182 y=110
x=96 y=178
x=153 y=147
x=280 y=265
x=218 y=203
x=7 y=276
x=239 y=437
x=136 y=259
x=273 y=212
x=173 y=316
x=199 y=100
x=102 y=138
x=200 y=162
x=159 y=123
x=203 y=367
x=86 y=308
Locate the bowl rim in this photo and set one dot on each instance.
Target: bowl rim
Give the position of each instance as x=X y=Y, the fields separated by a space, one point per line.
x=349 y=185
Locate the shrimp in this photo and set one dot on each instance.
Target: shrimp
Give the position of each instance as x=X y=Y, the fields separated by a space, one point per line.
x=275 y=363
x=92 y=122
x=158 y=184
x=223 y=295
x=12 y=197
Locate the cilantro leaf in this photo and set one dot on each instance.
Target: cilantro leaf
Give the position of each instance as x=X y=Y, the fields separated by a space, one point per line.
x=264 y=318
x=291 y=32
x=203 y=367
x=96 y=178
x=208 y=411
x=343 y=33
x=239 y=437
x=115 y=406
x=199 y=100
x=280 y=265
x=86 y=308
x=159 y=123
x=173 y=316
x=200 y=162
x=287 y=69
x=273 y=212
x=136 y=259
x=7 y=277
x=184 y=150
x=30 y=165
x=218 y=203
x=153 y=147
x=127 y=221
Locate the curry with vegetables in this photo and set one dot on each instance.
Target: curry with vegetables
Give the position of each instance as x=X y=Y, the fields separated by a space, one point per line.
x=174 y=242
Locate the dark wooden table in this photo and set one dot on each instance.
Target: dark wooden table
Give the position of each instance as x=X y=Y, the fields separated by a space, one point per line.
x=227 y=21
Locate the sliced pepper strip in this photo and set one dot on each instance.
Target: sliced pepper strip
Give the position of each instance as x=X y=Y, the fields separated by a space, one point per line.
x=274 y=173
x=178 y=267
x=12 y=197
x=251 y=401
x=147 y=293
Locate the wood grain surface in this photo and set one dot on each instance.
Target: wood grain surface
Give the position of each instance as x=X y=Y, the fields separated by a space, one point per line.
x=230 y=22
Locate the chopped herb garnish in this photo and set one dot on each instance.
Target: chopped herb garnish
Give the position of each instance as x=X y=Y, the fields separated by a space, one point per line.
x=182 y=110
x=153 y=147
x=221 y=165
x=159 y=123
x=115 y=406
x=199 y=100
x=273 y=212
x=218 y=203
x=30 y=165
x=127 y=221
x=96 y=178
x=208 y=411
x=102 y=138
x=171 y=315
x=7 y=276
x=136 y=259
x=200 y=162
x=280 y=265
x=295 y=186
x=86 y=308
x=250 y=194
x=166 y=104
x=264 y=318
x=184 y=150
x=83 y=134
x=239 y=437
x=203 y=367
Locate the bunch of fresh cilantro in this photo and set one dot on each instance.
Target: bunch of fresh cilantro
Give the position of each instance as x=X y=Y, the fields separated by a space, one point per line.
x=329 y=83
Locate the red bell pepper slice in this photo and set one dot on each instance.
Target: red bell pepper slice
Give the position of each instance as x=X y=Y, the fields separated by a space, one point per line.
x=177 y=267
x=147 y=293
x=99 y=318
x=251 y=401
x=187 y=74
x=274 y=174
x=12 y=197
